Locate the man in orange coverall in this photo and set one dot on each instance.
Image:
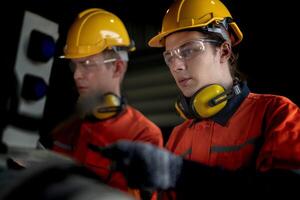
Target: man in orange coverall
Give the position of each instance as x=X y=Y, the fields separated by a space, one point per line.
x=226 y=125
x=97 y=46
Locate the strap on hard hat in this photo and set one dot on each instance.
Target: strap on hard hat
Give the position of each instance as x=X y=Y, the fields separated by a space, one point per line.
x=219 y=27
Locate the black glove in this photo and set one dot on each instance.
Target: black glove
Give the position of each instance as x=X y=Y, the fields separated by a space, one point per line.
x=144 y=165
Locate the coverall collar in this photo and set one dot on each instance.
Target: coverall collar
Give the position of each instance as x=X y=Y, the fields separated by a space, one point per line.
x=231 y=107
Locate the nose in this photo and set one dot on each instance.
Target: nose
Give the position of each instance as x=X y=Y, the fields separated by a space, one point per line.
x=78 y=74
x=177 y=65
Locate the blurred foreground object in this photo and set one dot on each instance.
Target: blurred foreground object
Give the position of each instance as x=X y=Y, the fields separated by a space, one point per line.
x=147 y=166
x=41 y=174
x=144 y=165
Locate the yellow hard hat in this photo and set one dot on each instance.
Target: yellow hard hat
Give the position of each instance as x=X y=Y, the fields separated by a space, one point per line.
x=188 y=14
x=93 y=31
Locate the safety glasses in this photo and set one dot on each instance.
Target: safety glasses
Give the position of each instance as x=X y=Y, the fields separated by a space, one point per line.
x=187 y=50
x=88 y=64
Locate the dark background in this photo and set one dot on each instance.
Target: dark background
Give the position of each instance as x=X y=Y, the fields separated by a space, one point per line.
x=268 y=52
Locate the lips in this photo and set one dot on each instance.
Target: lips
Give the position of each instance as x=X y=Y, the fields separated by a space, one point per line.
x=184 y=81
x=81 y=88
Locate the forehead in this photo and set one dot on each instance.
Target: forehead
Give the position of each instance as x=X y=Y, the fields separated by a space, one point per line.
x=176 y=39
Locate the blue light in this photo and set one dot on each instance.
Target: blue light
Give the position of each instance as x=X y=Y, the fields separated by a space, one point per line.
x=33 y=88
x=41 y=46
x=48 y=48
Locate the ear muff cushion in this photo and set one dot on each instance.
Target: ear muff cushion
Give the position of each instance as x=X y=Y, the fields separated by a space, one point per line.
x=109 y=106
x=200 y=102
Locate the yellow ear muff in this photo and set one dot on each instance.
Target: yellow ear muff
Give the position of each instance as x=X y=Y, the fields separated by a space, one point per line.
x=110 y=106
x=209 y=101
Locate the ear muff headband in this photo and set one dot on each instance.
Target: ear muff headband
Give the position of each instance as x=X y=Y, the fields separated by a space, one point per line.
x=110 y=106
x=180 y=110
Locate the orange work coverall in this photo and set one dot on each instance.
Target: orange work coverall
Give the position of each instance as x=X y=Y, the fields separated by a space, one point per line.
x=258 y=131
x=72 y=138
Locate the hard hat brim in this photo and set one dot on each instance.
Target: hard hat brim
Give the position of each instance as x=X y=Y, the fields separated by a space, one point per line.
x=158 y=40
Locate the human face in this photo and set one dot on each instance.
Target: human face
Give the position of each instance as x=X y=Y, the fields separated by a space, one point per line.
x=93 y=74
x=193 y=61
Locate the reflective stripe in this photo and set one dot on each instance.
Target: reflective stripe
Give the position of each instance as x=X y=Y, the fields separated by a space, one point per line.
x=62 y=145
x=219 y=149
x=186 y=153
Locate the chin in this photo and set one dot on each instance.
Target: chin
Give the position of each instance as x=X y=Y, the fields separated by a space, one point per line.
x=187 y=93
x=83 y=93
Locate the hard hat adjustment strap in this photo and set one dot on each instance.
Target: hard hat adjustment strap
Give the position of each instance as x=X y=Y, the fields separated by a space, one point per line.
x=122 y=52
x=219 y=27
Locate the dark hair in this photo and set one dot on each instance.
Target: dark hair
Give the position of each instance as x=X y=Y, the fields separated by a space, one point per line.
x=233 y=60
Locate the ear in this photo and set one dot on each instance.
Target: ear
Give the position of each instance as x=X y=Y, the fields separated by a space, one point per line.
x=225 y=52
x=120 y=68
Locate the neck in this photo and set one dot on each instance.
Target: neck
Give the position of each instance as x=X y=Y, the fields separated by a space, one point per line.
x=228 y=84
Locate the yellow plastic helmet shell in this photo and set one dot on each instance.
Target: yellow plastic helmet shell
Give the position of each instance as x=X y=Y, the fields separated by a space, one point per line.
x=93 y=31
x=188 y=14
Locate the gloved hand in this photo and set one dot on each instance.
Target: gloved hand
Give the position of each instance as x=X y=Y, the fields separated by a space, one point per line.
x=144 y=165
